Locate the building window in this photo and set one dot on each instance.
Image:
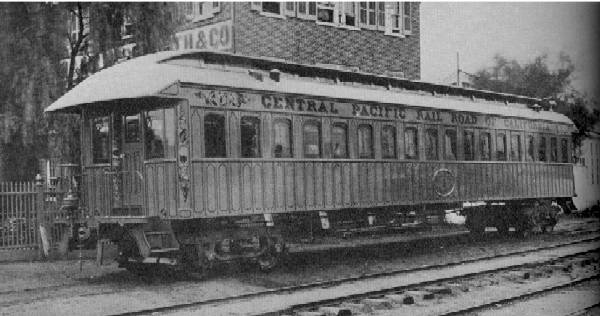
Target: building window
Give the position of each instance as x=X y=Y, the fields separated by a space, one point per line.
x=450 y=144
x=290 y=8
x=197 y=11
x=339 y=140
x=101 y=139
x=372 y=14
x=515 y=148
x=307 y=10
x=282 y=138
x=268 y=7
x=431 y=144
x=160 y=133
x=469 y=145
x=381 y=14
x=311 y=137
x=347 y=15
x=530 y=148
x=542 y=149
x=407 y=13
x=127 y=27
x=214 y=136
x=365 y=141
x=501 y=146
x=564 y=150
x=388 y=141
x=326 y=12
x=411 y=143
x=485 y=146
x=396 y=18
x=74 y=26
x=250 y=136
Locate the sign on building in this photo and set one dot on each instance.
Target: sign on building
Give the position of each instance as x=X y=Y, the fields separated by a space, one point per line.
x=218 y=36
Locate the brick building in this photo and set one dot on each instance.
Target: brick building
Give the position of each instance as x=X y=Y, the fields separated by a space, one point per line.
x=376 y=37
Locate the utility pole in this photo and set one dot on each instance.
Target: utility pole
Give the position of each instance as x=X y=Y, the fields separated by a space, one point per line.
x=457 y=70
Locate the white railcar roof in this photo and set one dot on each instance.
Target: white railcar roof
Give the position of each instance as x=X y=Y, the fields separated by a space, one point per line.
x=148 y=75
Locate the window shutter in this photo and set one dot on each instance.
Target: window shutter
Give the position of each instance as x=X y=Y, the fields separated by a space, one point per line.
x=337 y=8
x=406 y=18
x=257 y=6
x=388 y=18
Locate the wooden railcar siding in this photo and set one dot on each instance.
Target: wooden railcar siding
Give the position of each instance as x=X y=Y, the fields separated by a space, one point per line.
x=161 y=188
x=238 y=187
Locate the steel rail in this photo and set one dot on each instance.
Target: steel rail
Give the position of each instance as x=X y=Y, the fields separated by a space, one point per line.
x=529 y=294
x=330 y=283
x=64 y=286
x=423 y=284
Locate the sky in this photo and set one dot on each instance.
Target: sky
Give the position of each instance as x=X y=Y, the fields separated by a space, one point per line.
x=516 y=30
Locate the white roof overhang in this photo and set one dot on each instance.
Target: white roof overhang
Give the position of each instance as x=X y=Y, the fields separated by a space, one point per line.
x=146 y=77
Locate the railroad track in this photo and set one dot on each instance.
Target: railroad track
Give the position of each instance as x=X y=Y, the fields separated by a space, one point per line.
x=39 y=289
x=303 y=297
x=524 y=296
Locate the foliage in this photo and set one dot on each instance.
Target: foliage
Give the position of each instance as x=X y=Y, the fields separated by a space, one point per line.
x=35 y=45
x=31 y=37
x=535 y=79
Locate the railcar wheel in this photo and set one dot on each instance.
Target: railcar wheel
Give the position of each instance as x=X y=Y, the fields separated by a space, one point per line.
x=475 y=224
x=503 y=227
x=195 y=262
x=268 y=261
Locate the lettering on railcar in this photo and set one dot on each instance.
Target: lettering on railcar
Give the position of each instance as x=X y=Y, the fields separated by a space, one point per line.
x=513 y=123
x=429 y=116
x=463 y=118
x=375 y=110
x=297 y=104
x=219 y=98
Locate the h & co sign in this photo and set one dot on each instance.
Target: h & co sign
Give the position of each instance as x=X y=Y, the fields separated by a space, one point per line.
x=218 y=36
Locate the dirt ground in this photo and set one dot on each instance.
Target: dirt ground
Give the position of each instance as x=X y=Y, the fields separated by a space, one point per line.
x=59 y=287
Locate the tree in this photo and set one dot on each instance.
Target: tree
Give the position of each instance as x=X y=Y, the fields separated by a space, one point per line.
x=535 y=79
x=35 y=43
x=31 y=39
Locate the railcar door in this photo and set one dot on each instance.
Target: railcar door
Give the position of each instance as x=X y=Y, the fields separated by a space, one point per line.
x=131 y=164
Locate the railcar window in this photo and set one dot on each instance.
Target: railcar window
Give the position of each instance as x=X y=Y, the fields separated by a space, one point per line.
x=485 y=145
x=542 y=149
x=388 y=141
x=530 y=147
x=339 y=140
x=469 y=145
x=411 y=143
x=431 y=144
x=160 y=133
x=101 y=139
x=553 y=149
x=515 y=148
x=132 y=128
x=564 y=150
x=282 y=142
x=311 y=135
x=214 y=136
x=450 y=144
x=501 y=146
x=365 y=141
x=250 y=136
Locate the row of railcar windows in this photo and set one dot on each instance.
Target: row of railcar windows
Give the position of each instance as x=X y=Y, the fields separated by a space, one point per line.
x=159 y=136
x=214 y=136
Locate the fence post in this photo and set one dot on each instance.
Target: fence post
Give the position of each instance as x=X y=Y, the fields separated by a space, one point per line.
x=39 y=210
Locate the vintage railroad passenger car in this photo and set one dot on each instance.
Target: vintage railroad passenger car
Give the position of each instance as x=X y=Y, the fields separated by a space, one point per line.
x=195 y=157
